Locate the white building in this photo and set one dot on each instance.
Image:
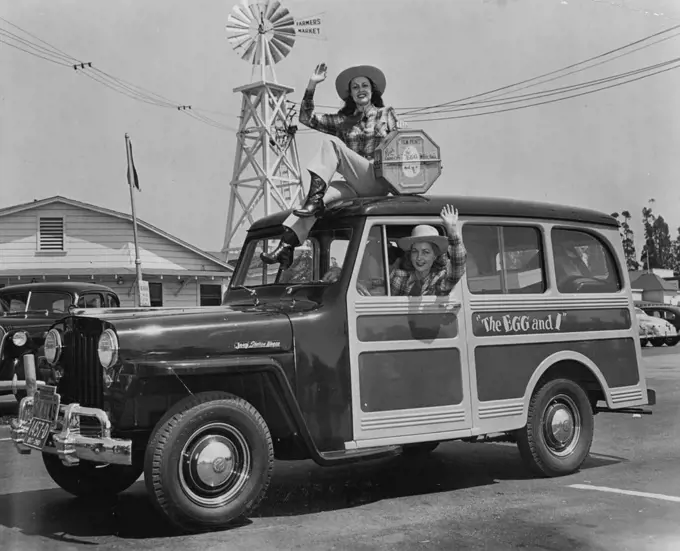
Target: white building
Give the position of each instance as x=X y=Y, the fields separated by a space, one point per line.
x=58 y=239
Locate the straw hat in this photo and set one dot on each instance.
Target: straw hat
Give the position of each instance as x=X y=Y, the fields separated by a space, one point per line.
x=346 y=76
x=422 y=233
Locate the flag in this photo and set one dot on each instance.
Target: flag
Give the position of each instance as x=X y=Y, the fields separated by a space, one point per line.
x=133 y=180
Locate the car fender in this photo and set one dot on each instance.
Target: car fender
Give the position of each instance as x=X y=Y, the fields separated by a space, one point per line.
x=550 y=361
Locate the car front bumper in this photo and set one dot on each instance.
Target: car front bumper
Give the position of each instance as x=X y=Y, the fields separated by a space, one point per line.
x=66 y=439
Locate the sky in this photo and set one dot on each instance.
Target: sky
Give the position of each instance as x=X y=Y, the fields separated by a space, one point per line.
x=62 y=133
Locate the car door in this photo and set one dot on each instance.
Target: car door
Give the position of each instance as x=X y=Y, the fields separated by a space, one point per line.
x=409 y=377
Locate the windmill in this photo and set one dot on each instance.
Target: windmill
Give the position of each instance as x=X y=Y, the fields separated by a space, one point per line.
x=266 y=164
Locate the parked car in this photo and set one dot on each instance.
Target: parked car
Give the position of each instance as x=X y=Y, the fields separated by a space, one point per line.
x=657 y=330
x=536 y=338
x=665 y=311
x=27 y=311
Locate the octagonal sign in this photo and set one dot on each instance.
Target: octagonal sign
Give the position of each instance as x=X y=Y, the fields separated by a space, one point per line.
x=409 y=161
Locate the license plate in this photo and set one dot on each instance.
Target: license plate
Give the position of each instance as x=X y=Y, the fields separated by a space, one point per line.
x=45 y=410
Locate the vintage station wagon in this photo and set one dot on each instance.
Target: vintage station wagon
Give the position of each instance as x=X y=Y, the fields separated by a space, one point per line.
x=320 y=361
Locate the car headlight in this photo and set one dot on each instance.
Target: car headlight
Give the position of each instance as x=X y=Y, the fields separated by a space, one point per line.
x=107 y=348
x=20 y=338
x=52 y=346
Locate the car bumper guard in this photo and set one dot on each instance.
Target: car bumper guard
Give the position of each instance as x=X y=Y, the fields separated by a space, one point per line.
x=66 y=439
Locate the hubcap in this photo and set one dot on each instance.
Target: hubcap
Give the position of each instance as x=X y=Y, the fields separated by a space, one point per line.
x=215 y=465
x=561 y=425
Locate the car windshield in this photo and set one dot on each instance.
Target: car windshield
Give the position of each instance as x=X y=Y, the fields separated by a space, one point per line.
x=22 y=301
x=4 y=305
x=318 y=260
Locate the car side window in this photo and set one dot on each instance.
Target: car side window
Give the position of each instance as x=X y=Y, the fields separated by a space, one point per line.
x=583 y=263
x=111 y=301
x=504 y=259
x=90 y=300
x=371 y=280
x=387 y=269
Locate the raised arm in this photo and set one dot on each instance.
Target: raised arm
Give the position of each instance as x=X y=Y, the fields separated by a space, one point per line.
x=456 y=254
x=322 y=122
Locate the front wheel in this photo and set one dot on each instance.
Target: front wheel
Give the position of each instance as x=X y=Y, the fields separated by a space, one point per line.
x=209 y=461
x=559 y=431
x=89 y=480
x=672 y=341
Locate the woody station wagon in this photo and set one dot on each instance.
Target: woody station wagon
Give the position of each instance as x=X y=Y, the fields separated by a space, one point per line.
x=538 y=337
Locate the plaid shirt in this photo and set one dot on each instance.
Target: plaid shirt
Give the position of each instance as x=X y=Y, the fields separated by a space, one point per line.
x=362 y=134
x=447 y=270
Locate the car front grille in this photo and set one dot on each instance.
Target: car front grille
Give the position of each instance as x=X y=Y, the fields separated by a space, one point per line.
x=82 y=381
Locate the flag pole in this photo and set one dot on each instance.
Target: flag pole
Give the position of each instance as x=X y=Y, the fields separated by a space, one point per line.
x=132 y=178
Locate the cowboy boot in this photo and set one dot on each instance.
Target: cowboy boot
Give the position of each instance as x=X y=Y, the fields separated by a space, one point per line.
x=314 y=203
x=283 y=254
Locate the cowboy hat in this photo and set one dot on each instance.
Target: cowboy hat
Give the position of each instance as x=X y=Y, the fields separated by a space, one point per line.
x=424 y=233
x=346 y=76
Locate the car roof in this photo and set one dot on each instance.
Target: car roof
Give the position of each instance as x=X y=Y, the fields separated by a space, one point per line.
x=431 y=205
x=69 y=286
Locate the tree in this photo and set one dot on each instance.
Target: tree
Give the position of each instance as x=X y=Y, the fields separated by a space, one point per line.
x=657 y=251
x=675 y=254
x=628 y=240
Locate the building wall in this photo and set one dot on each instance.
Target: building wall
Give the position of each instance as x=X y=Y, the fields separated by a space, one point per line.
x=92 y=240
x=103 y=244
x=173 y=292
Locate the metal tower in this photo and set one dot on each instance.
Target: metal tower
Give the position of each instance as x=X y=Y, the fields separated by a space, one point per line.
x=266 y=165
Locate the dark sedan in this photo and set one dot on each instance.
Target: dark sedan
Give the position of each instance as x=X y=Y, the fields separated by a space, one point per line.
x=26 y=313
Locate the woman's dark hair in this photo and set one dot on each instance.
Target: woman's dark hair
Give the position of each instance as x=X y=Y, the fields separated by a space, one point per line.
x=350 y=106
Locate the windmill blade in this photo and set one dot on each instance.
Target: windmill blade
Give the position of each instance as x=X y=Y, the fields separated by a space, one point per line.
x=280 y=46
x=288 y=40
x=271 y=9
x=277 y=53
x=240 y=15
x=255 y=10
x=283 y=14
x=238 y=43
x=287 y=23
x=249 y=54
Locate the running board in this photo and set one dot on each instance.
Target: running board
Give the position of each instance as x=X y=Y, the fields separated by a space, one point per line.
x=341 y=457
x=638 y=411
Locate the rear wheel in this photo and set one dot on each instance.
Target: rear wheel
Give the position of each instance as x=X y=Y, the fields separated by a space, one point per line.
x=658 y=341
x=672 y=341
x=209 y=461
x=559 y=431
x=91 y=480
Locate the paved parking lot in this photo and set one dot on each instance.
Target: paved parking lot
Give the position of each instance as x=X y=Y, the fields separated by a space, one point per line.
x=464 y=496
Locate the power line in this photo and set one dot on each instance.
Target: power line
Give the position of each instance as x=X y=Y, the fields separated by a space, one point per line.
x=491 y=98
x=599 y=56
x=35 y=54
x=550 y=92
x=547 y=101
x=491 y=101
x=48 y=52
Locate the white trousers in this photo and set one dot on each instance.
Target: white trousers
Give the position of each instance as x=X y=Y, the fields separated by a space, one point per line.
x=359 y=180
